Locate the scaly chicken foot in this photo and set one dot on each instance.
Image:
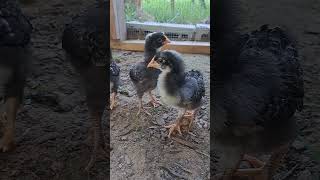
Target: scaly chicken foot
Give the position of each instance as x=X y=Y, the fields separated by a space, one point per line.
x=154 y=100
x=142 y=109
x=9 y=118
x=191 y=116
x=189 y=113
x=264 y=172
x=177 y=125
x=113 y=100
x=253 y=161
x=99 y=146
x=273 y=163
x=174 y=127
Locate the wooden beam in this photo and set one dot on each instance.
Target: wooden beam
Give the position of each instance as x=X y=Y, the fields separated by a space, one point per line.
x=113 y=33
x=189 y=47
x=119 y=19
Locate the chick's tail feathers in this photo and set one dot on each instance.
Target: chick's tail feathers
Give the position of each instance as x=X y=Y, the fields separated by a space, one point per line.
x=132 y=75
x=114 y=69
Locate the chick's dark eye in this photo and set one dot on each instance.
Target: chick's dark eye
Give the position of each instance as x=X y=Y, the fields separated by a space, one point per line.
x=159 y=40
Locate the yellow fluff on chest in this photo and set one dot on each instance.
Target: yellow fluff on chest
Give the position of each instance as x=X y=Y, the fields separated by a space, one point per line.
x=165 y=97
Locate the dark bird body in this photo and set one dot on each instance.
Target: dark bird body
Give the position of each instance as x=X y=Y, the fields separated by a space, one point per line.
x=257 y=88
x=192 y=91
x=15 y=57
x=114 y=77
x=177 y=88
x=143 y=78
x=85 y=41
x=114 y=81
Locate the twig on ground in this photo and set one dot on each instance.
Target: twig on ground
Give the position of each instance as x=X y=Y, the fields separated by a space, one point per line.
x=23 y=135
x=183 y=142
x=172 y=173
x=183 y=168
x=190 y=145
x=126 y=133
x=288 y=173
x=202 y=153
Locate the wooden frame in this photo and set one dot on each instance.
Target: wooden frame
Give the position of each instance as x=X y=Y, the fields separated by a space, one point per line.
x=118 y=35
x=117 y=21
x=190 y=47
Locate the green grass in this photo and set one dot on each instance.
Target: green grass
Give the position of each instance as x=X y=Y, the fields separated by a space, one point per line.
x=160 y=11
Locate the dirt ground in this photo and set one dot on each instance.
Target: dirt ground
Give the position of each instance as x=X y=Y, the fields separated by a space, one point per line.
x=52 y=125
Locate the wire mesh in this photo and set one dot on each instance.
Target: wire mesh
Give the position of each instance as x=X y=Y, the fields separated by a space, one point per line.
x=180 y=20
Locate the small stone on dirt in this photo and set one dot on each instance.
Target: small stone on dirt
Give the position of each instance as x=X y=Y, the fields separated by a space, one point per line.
x=165 y=116
x=205 y=125
x=120 y=165
x=160 y=121
x=124 y=138
x=298 y=145
x=127 y=159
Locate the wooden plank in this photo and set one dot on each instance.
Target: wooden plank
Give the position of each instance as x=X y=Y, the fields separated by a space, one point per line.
x=113 y=33
x=190 y=47
x=119 y=19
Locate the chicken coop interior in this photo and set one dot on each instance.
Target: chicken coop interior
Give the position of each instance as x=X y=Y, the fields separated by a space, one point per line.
x=132 y=20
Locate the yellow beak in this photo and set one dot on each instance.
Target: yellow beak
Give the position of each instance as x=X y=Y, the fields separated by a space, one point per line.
x=167 y=41
x=153 y=64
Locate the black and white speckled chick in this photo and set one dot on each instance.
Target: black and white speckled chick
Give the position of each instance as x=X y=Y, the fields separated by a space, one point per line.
x=143 y=78
x=114 y=82
x=85 y=41
x=15 y=57
x=257 y=88
x=180 y=89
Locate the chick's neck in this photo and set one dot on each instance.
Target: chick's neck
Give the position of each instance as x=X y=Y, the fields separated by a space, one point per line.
x=149 y=52
x=171 y=80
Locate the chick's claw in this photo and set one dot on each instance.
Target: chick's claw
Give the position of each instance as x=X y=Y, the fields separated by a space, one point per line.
x=173 y=128
x=113 y=101
x=7 y=144
x=113 y=104
x=143 y=109
x=155 y=103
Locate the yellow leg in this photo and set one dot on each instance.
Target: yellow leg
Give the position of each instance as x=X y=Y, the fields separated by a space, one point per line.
x=113 y=100
x=191 y=116
x=99 y=145
x=153 y=100
x=262 y=171
x=9 y=118
x=141 y=108
x=274 y=163
x=177 y=125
